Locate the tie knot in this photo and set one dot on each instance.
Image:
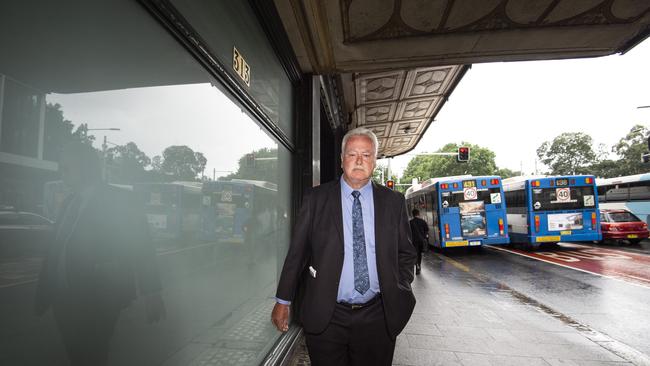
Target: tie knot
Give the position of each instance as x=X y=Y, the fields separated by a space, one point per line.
x=356 y=194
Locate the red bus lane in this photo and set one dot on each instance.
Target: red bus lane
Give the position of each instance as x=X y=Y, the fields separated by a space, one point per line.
x=618 y=264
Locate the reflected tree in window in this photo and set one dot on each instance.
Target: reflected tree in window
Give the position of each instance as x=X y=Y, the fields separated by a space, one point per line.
x=260 y=164
x=127 y=164
x=179 y=162
x=60 y=131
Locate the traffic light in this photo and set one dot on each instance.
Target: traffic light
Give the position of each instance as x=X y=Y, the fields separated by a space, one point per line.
x=390 y=184
x=463 y=154
x=250 y=160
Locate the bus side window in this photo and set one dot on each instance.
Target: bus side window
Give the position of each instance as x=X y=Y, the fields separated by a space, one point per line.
x=619 y=192
x=602 y=193
x=639 y=191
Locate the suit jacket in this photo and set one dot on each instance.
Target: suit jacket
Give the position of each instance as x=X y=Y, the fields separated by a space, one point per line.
x=318 y=242
x=106 y=255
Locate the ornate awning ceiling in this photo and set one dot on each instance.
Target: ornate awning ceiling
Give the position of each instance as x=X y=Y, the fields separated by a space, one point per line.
x=386 y=46
x=399 y=105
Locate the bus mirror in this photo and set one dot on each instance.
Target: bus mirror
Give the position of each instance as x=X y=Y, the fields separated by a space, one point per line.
x=645 y=158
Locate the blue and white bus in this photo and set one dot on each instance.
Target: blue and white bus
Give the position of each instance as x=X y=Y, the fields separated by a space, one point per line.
x=461 y=211
x=546 y=209
x=233 y=209
x=172 y=209
x=630 y=192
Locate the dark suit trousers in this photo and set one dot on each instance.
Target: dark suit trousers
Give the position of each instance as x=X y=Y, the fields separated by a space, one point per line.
x=354 y=337
x=86 y=326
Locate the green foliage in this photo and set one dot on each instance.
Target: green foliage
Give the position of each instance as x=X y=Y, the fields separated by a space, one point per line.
x=572 y=153
x=59 y=132
x=182 y=163
x=264 y=166
x=568 y=153
x=606 y=169
x=629 y=149
x=126 y=164
x=427 y=166
x=507 y=173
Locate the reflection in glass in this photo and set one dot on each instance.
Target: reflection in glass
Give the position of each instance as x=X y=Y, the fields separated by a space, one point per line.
x=143 y=215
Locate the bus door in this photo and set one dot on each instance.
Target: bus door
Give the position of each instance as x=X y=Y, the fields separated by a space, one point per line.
x=432 y=217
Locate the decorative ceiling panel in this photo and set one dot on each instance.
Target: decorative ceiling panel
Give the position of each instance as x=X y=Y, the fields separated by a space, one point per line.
x=380 y=87
x=412 y=127
x=417 y=108
x=381 y=130
x=377 y=113
x=426 y=82
x=411 y=98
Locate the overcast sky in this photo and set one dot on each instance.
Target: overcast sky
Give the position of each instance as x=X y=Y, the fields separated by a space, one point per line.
x=512 y=108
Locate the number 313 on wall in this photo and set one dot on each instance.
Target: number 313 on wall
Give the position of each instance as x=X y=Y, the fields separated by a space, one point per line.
x=240 y=66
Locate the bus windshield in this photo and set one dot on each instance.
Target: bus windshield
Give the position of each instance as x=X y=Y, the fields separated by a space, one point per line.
x=565 y=198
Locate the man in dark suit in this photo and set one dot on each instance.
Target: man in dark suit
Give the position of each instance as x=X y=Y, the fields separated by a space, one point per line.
x=351 y=243
x=98 y=259
x=420 y=236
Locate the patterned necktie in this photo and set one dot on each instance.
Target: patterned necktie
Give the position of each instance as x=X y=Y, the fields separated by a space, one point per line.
x=361 y=277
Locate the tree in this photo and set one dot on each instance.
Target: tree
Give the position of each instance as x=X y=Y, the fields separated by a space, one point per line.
x=606 y=169
x=506 y=173
x=126 y=163
x=427 y=166
x=629 y=149
x=182 y=163
x=59 y=132
x=260 y=164
x=568 y=153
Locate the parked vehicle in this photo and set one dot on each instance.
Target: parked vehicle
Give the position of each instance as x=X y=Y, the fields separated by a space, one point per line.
x=23 y=234
x=622 y=225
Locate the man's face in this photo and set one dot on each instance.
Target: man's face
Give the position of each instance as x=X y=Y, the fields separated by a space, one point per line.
x=358 y=160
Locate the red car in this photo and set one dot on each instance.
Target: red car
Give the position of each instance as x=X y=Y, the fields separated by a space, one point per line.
x=620 y=225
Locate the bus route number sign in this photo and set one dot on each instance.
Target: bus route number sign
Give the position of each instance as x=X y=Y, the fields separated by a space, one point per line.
x=563 y=194
x=469 y=184
x=241 y=66
x=561 y=182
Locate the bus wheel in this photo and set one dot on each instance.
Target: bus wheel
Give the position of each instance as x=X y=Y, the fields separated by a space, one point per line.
x=531 y=247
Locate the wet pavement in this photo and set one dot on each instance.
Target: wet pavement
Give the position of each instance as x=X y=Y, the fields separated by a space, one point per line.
x=490 y=307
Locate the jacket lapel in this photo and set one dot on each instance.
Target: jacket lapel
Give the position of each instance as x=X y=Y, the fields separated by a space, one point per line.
x=336 y=211
x=381 y=212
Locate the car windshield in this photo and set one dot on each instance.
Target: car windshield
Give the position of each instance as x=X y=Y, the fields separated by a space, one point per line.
x=622 y=217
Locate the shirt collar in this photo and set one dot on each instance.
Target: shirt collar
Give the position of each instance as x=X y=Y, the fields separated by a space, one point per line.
x=366 y=190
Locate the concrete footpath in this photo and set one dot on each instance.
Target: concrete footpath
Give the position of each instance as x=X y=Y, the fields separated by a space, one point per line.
x=462 y=318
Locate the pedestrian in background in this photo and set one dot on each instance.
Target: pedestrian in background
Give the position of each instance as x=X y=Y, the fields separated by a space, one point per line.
x=419 y=235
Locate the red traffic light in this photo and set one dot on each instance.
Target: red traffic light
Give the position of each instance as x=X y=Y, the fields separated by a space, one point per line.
x=390 y=184
x=463 y=154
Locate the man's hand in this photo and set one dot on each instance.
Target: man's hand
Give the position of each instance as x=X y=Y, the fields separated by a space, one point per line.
x=280 y=317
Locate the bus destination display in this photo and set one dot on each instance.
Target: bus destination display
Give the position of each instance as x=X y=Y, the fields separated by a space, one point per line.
x=561 y=182
x=469 y=183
